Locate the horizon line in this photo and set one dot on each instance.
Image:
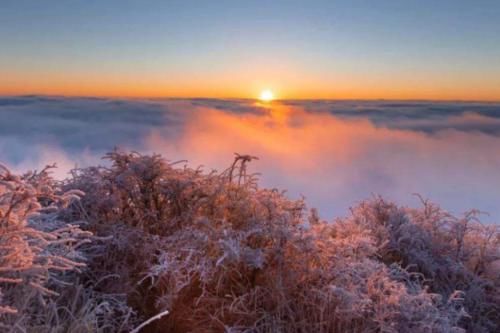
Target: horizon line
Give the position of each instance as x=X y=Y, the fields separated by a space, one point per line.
x=250 y=98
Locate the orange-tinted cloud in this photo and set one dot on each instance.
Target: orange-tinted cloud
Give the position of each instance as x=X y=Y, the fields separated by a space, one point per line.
x=335 y=153
x=335 y=161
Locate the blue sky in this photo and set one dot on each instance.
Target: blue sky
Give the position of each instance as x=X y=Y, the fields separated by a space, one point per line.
x=320 y=48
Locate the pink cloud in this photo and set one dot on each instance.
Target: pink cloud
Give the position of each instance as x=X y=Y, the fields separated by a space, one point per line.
x=335 y=161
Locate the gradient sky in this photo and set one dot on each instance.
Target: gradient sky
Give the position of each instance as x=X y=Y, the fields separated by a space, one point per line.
x=299 y=49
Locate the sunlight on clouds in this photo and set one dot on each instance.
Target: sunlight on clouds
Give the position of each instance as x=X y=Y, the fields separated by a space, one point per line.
x=336 y=161
x=335 y=153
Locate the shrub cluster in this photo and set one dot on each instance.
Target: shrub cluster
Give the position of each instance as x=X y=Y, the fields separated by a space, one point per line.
x=43 y=251
x=213 y=252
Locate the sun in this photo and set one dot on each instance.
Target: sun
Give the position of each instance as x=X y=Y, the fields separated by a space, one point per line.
x=266 y=95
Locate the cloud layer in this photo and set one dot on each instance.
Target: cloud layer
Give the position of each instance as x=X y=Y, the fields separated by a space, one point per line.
x=333 y=152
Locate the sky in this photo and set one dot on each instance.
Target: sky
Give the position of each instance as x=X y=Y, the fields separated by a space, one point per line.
x=234 y=49
x=335 y=153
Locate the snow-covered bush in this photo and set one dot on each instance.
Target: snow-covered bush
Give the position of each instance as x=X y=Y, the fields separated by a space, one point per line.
x=182 y=250
x=450 y=254
x=221 y=254
x=41 y=257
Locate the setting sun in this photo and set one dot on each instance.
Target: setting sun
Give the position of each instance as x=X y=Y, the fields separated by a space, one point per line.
x=266 y=95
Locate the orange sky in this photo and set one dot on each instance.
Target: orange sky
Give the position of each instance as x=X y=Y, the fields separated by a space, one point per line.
x=285 y=83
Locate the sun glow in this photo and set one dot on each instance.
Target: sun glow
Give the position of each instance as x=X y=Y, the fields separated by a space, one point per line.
x=266 y=95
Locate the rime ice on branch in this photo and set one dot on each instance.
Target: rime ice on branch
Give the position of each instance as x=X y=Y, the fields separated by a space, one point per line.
x=195 y=251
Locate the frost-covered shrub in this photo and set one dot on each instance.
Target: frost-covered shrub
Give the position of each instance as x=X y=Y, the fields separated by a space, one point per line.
x=213 y=252
x=36 y=248
x=221 y=254
x=41 y=257
x=449 y=254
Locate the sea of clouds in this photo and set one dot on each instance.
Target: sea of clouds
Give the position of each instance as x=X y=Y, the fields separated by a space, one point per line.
x=335 y=153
